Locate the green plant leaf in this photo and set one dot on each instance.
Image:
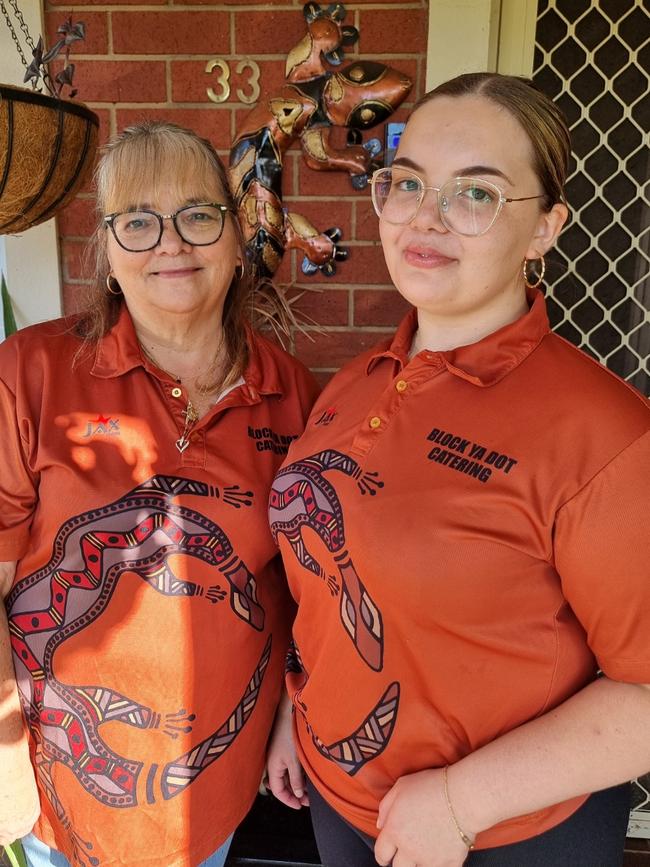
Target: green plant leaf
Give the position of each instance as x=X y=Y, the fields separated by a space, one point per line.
x=14 y=852
x=7 y=309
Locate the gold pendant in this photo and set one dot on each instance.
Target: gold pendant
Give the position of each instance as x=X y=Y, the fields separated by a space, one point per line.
x=191 y=418
x=191 y=415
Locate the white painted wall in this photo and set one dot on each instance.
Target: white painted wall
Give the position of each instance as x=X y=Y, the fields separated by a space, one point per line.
x=480 y=36
x=463 y=37
x=30 y=261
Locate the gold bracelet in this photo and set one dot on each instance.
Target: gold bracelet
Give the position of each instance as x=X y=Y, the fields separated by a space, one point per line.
x=463 y=836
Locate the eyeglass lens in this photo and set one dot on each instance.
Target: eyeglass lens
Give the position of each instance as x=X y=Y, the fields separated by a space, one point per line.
x=467 y=206
x=198 y=225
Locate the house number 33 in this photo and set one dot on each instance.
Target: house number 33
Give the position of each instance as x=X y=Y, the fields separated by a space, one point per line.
x=222 y=71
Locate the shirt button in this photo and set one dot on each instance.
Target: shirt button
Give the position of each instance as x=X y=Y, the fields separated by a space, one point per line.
x=375 y=422
x=177 y=392
x=401 y=385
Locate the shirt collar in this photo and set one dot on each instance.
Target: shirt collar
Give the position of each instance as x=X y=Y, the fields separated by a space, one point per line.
x=485 y=362
x=119 y=351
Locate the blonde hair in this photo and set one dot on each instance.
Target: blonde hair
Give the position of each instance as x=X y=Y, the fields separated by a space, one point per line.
x=538 y=116
x=137 y=164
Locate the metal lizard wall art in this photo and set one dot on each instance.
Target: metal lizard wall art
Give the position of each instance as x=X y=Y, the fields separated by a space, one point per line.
x=317 y=97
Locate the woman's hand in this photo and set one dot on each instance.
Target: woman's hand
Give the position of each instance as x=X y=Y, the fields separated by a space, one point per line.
x=286 y=778
x=19 y=804
x=416 y=827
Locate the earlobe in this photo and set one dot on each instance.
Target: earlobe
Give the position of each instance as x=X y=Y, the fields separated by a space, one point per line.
x=548 y=228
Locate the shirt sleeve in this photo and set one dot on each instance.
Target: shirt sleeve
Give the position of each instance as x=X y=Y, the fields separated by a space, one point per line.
x=18 y=485
x=602 y=554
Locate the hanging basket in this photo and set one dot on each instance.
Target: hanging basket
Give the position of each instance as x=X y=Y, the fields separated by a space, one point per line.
x=47 y=147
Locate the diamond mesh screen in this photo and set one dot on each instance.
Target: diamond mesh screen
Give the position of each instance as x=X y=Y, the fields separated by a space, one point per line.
x=593 y=58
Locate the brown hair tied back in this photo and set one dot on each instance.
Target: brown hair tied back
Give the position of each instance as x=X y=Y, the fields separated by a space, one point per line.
x=539 y=117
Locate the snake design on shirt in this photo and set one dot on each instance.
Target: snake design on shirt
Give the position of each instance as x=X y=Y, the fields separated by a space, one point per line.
x=302 y=497
x=137 y=533
x=367 y=741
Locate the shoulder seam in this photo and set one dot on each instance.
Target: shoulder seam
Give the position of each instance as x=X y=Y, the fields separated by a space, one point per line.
x=602 y=469
x=635 y=392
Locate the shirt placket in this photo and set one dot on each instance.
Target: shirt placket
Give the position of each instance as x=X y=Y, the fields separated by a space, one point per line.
x=195 y=454
x=395 y=398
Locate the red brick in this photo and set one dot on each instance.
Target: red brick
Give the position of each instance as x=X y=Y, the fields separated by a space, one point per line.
x=402 y=114
x=66 y=3
x=268 y=31
x=211 y=2
x=78 y=219
x=171 y=32
x=87 y=188
x=121 y=81
x=365 y=264
x=271 y=81
x=367 y=223
x=419 y=87
x=96 y=40
x=322 y=377
x=383 y=307
x=324 y=306
x=334 y=348
x=210 y=122
x=392 y=30
x=104 y=116
x=73 y=296
x=190 y=82
x=284 y=275
x=320 y=183
x=72 y=253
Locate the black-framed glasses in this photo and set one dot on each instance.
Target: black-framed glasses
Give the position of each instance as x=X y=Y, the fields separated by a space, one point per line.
x=467 y=206
x=199 y=225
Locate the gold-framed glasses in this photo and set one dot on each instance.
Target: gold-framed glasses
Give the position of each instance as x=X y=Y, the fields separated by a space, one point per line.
x=467 y=206
x=137 y=231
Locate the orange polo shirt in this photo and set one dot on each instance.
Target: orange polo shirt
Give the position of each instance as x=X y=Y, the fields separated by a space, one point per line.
x=149 y=617
x=464 y=534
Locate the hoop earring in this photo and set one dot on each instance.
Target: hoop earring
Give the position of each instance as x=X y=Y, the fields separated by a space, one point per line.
x=110 y=283
x=538 y=283
x=239 y=271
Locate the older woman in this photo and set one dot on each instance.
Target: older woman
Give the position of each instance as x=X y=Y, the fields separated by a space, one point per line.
x=146 y=605
x=476 y=504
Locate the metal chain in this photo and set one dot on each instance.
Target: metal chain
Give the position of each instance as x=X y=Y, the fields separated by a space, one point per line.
x=21 y=21
x=23 y=27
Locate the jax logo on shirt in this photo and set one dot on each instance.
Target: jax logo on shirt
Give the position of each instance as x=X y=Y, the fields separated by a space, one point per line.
x=327 y=416
x=102 y=425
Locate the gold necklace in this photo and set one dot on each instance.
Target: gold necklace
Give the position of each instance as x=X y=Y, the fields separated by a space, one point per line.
x=190 y=412
x=191 y=418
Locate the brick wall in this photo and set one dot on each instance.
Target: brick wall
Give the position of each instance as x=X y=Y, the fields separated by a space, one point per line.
x=148 y=60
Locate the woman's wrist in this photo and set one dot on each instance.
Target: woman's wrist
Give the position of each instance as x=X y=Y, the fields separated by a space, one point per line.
x=471 y=801
x=467 y=838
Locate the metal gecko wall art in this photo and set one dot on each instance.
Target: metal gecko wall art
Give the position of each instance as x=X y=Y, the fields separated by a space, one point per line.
x=317 y=97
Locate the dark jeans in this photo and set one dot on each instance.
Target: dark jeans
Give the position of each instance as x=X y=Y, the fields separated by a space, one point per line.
x=594 y=836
